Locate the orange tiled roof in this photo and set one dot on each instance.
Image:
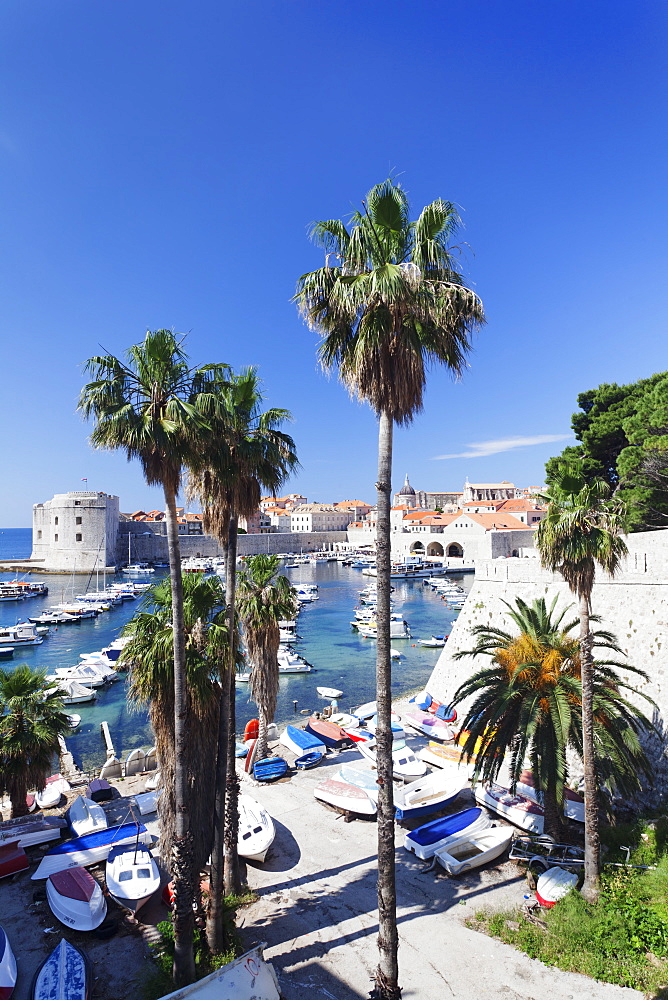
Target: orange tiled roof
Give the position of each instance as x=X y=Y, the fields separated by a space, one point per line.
x=499 y=522
x=520 y=504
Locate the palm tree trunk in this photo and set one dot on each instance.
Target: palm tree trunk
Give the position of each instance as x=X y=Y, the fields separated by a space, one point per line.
x=18 y=793
x=215 y=932
x=262 y=748
x=591 y=888
x=387 y=974
x=182 y=855
x=232 y=875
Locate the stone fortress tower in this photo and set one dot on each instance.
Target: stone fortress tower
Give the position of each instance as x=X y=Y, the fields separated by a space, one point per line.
x=75 y=532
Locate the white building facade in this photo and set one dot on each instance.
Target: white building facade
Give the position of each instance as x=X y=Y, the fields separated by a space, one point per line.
x=76 y=532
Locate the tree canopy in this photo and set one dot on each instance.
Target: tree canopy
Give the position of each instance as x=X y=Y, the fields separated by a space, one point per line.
x=623 y=435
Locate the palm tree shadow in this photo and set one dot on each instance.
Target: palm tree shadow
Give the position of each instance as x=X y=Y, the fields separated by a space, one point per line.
x=283 y=855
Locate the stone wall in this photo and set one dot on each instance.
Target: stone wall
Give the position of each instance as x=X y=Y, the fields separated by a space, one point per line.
x=75 y=532
x=634 y=605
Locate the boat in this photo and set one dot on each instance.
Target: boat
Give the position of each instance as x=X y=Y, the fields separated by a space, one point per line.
x=300 y=742
x=436 y=642
x=139 y=569
x=32 y=830
x=111 y=769
x=404 y=762
x=74 y=720
x=553 y=885
x=76 y=899
x=429 y=726
x=248 y=977
x=344 y=796
x=56 y=786
x=474 y=850
x=439 y=755
x=136 y=763
x=326 y=692
x=516 y=809
x=99 y=790
x=132 y=875
x=74 y=693
x=426 y=796
x=425 y=840
x=363 y=775
x=308 y=760
x=90 y=849
x=64 y=975
x=256 y=829
x=6 y=652
x=23 y=634
x=395 y=654
x=395 y=724
x=154 y=781
x=398 y=629
x=7 y=967
x=573 y=802
x=13 y=858
x=85 y=816
x=331 y=735
x=270 y=769
x=366 y=711
x=147 y=802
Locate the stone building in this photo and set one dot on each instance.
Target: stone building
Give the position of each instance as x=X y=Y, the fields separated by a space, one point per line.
x=319 y=517
x=76 y=532
x=406 y=495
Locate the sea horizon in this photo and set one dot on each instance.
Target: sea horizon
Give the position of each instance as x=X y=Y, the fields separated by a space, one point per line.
x=15 y=543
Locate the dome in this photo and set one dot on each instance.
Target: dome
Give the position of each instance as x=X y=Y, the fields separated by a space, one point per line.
x=406 y=490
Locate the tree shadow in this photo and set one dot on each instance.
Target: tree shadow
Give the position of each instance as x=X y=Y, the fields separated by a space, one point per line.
x=284 y=854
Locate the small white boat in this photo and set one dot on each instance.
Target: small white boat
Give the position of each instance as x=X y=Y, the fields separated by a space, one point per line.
x=32 y=830
x=112 y=769
x=132 y=875
x=515 y=808
x=362 y=775
x=76 y=899
x=147 y=802
x=346 y=797
x=365 y=711
x=436 y=642
x=85 y=816
x=395 y=722
x=7 y=966
x=256 y=829
x=573 y=801
x=395 y=654
x=326 y=692
x=474 y=850
x=426 y=796
x=429 y=725
x=74 y=693
x=53 y=791
x=553 y=885
x=136 y=762
x=344 y=720
x=154 y=781
x=446 y=757
x=74 y=720
x=90 y=849
x=404 y=762
x=425 y=840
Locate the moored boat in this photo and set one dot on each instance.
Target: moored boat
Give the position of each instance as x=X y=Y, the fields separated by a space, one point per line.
x=132 y=875
x=425 y=840
x=256 y=829
x=76 y=899
x=64 y=975
x=327 y=692
x=7 y=967
x=474 y=850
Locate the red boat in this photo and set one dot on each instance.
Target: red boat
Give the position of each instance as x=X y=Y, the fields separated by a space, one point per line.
x=13 y=858
x=328 y=733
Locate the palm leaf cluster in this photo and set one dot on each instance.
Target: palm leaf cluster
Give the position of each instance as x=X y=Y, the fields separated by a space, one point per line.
x=525 y=708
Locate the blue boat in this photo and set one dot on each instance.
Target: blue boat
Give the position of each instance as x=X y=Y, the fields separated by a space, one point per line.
x=91 y=848
x=300 y=742
x=427 y=839
x=309 y=760
x=270 y=769
x=64 y=975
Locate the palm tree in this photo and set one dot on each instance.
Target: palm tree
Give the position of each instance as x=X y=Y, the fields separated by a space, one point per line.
x=244 y=453
x=581 y=530
x=392 y=302
x=150 y=656
x=153 y=408
x=32 y=717
x=527 y=706
x=263 y=600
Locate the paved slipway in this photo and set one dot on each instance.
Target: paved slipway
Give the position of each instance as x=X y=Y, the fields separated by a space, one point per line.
x=317 y=912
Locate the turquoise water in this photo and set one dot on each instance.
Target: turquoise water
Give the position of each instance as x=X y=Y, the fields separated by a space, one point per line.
x=343 y=659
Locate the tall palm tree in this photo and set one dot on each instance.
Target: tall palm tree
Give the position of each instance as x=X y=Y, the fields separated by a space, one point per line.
x=32 y=717
x=389 y=302
x=154 y=407
x=527 y=706
x=243 y=453
x=149 y=654
x=581 y=530
x=263 y=600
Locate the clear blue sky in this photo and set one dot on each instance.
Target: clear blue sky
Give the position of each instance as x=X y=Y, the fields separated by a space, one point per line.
x=161 y=162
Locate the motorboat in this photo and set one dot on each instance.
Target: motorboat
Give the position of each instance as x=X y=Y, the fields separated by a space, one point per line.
x=73 y=720
x=132 y=875
x=346 y=797
x=56 y=786
x=425 y=840
x=13 y=859
x=141 y=569
x=135 y=762
x=23 y=634
x=516 y=809
x=436 y=642
x=474 y=850
x=76 y=899
x=84 y=673
x=553 y=885
x=256 y=829
x=85 y=816
x=327 y=692
x=64 y=975
x=6 y=652
x=398 y=629
x=426 y=795
x=299 y=741
x=32 y=830
x=292 y=663
x=404 y=762
x=331 y=735
x=90 y=849
x=72 y=692
x=7 y=967
x=395 y=724
x=429 y=726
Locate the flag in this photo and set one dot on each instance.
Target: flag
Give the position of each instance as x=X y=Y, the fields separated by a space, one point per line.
x=84 y=480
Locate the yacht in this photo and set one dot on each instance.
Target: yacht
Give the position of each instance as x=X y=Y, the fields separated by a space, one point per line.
x=23 y=634
x=139 y=569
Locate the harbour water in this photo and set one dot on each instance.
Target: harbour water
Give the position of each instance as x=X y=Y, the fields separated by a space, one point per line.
x=342 y=658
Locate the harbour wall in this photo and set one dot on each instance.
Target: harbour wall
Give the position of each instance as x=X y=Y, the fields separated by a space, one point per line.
x=633 y=605
x=151 y=546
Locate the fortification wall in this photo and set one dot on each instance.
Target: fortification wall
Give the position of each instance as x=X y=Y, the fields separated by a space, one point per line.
x=634 y=605
x=75 y=532
x=149 y=543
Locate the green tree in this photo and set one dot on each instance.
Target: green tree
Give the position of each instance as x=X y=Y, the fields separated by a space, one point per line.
x=263 y=600
x=155 y=407
x=526 y=706
x=32 y=717
x=389 y=302
x=582 y=530
x=244 y=452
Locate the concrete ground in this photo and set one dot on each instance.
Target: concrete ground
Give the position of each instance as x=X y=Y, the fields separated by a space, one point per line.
x=317 y=911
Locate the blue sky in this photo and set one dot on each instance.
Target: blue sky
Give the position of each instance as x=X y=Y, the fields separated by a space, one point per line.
x=161 y=163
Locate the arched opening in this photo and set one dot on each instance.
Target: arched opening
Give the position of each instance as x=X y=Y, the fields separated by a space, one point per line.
x=434 y=549
x=455 y=549
x=515 y=553
x=417 y=547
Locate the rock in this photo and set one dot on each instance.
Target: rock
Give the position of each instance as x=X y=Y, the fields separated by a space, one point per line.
x=512 y=925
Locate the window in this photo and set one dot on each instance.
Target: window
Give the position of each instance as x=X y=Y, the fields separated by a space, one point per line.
x=55 y=520
x=55 y=538
x=77 y=520
x=39 y=534
x=77 y=503
x=78 y=538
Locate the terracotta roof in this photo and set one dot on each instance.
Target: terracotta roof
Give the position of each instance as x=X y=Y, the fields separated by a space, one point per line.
x=483 y=503
x=499 y=522
x=520 y=504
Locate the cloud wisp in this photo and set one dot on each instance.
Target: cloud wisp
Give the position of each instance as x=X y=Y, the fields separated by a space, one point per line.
x=481 y=449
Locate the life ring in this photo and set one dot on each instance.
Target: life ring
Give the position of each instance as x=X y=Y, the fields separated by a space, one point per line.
x=252 y=730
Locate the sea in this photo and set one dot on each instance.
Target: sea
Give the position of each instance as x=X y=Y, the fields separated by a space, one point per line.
x=341 y=657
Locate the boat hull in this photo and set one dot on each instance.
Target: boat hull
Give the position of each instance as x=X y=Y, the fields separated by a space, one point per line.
x=515 y=808
x=32 y=830
x=75 y=901
x=256 y=829
x=90 y=850
x=346 y=797
x=429 y=726
x=299 y=741
x=475 y=850
x=426 y=840
x=309 y=760
x=85 y=816
x=64 y=975
x=328 y=733
x=132 y=876
x=426 y=796
x=7 y=967
x=553 y=885
x=270 y=769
